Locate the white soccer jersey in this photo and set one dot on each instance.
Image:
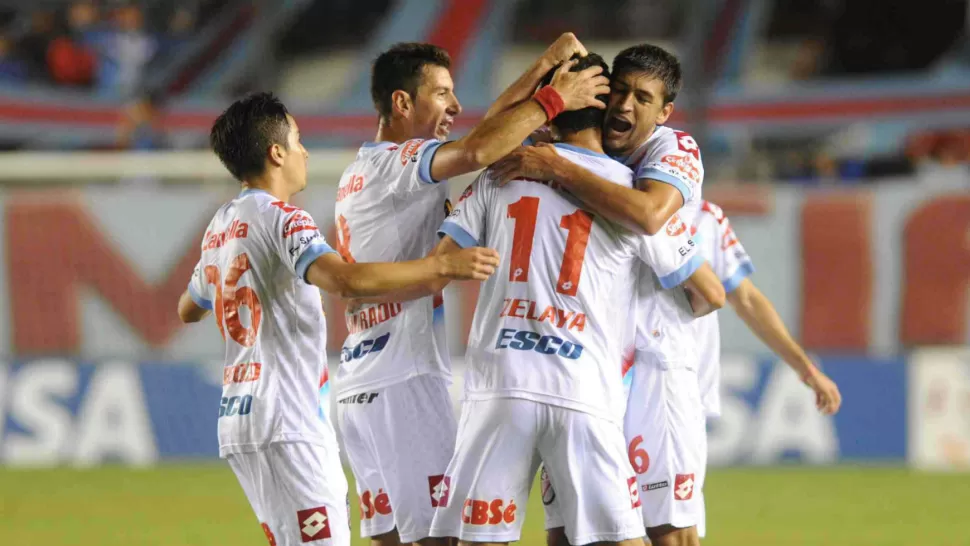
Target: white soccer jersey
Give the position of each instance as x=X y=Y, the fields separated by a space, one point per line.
x=721 y=248
x=664 y=317
x=548 y=323
x=388 y=210
x=672 y=157
x=255 y=255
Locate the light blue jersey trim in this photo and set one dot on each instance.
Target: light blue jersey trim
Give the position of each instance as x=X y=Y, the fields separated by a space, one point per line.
x=251 y=191
x=660 y=176
x=424 y=167
x=308 y=256
x=199 y=300
x=744 y=271
x=578 y=150
x=458 y=233
x=686 y=270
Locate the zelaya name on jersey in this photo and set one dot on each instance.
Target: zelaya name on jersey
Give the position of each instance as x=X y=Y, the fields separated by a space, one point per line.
x=673 y=157
x=388 y=210
x=255 y=255
x=547 y=325
x=719 y=245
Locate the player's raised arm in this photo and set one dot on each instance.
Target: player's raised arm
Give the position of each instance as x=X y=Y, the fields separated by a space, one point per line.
x=644 y=210
x=500 y=134
x=522 y=89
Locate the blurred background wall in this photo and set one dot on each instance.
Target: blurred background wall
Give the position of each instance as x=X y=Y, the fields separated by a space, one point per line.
x=835 y=134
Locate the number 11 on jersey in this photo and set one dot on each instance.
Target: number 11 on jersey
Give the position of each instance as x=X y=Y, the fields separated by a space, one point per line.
x=524 y=212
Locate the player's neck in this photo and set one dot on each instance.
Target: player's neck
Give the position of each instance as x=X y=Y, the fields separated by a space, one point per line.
x=392 y=132
x=589 y=139
x=270 y=186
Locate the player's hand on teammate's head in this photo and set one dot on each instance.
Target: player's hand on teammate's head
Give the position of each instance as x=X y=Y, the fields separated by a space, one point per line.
x=580 y=89
x=828 y=399
x=536 y=162
x=474 y=263
x=564 y=48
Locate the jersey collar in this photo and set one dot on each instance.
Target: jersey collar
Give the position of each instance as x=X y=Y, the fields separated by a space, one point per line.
x=579 y=150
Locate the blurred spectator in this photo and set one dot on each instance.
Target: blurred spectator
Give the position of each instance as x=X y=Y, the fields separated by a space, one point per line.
x=125 y=49
x=71 y=56
x=36 y=42
x=942 y=159
x=140 y=128
x=12 y=69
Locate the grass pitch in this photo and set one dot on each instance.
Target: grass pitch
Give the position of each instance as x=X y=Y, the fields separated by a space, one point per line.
x=201 y=504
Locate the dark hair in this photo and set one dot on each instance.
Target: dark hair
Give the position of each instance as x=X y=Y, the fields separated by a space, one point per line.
x=586 y=118
x=400 y=68
x=653 y=61
x=243 y=133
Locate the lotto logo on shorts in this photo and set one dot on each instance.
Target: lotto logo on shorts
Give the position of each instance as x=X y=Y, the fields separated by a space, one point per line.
x=631 y=484
x=684 y=487
x=314 y=524
x=440 y=486
x=479 y=512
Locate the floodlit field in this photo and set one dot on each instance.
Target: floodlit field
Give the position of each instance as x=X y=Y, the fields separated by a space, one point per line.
x=203 y=505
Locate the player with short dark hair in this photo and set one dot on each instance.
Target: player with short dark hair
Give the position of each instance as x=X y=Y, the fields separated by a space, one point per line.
x=262 y=263
x=390 y=202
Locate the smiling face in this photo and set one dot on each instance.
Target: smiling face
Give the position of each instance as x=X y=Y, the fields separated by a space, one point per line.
x=434 y=104
x=636 y=107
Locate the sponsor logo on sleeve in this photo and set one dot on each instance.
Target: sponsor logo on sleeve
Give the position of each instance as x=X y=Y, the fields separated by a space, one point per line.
x=409 y=152
x=687 y=144
x=298 y=222
x=675 y=226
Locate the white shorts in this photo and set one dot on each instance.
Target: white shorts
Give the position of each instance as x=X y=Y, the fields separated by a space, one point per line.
x=500 y=443
x=399 y=440
x=666 y=434
x=298 y=491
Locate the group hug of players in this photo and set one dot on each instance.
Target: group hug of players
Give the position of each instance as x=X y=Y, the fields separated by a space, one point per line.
x=593 y=353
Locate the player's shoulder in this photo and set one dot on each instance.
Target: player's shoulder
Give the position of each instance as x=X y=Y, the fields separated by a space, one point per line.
x=601 y=164
x=390 y=154
x=710 y=210
x=276 y=215
x=666 y=141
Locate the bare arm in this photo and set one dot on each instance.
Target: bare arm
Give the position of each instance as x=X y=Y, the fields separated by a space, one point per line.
x=189 y=311
x=445 y=246
x=495 y=137
x=644 y=210
x=756 y=310
x=704 y=291
x=332 y=274
x=522 y=89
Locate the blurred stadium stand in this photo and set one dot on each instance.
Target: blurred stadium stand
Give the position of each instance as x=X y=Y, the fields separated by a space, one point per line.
x=836 y=134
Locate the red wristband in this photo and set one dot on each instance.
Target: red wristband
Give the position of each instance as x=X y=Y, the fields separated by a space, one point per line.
x=551 y=101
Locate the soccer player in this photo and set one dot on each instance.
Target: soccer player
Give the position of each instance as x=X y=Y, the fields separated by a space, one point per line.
x=543 y=378
x=394 y=412
x=665 y=422
x=262 y=261
x=721 y=247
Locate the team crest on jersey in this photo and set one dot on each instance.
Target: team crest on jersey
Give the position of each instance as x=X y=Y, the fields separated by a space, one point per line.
x=675 y=226
x=409 y=152
x=465 y=194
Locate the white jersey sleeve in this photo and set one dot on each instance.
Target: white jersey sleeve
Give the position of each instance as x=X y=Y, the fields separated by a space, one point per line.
x=672 y=157
x=408 y=166
x=721 y=246
x=671 y=253
x=466 y=223
x=199 y=288
x=297 y=239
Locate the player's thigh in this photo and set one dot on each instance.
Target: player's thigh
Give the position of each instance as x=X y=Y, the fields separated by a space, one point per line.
x=310 y=494
x=595 y=487
x=399 y=441
x=666 y=444
x=491 y=472
x=668 y=535
x=252 y=472
x=552 y=512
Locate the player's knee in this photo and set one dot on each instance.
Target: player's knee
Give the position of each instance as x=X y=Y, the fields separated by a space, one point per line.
x=668 y=535
x=436 y=541
x=556 y=537
x=390 y=538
